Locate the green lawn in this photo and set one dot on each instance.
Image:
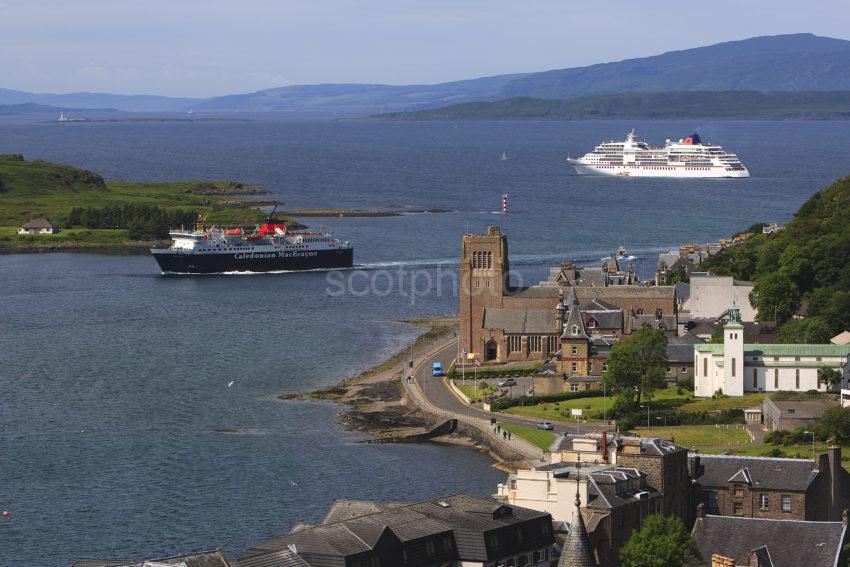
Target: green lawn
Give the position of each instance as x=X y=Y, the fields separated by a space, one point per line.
x=473 y=391
x=538 y=437
x=662 y=399
x=707 y=438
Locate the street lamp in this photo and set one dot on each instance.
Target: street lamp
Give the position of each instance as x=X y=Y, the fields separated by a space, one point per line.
x=659 y=418
x=812 y=433
x=647 y=414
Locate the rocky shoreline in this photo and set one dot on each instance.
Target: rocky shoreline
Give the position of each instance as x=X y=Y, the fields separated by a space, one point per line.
x=375 y=400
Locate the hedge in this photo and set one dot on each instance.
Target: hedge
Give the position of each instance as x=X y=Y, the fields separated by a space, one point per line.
x=505 y=403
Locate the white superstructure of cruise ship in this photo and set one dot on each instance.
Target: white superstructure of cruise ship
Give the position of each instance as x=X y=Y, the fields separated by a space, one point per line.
x=684 y=158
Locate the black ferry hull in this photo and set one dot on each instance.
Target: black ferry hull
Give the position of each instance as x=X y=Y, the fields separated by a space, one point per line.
x=276 y=261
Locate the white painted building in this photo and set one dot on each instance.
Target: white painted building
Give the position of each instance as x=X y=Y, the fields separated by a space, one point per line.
x=711 y=295
x=735 y=368
x=38 y=226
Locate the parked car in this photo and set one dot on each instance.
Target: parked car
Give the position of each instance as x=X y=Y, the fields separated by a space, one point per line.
x=507 y=382
x=437 y=369
x=545 y=425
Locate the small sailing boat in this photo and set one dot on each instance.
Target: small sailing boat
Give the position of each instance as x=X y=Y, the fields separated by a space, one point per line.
x=504 y=156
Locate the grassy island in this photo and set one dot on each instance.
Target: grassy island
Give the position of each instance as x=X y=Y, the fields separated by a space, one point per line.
x=93 y=213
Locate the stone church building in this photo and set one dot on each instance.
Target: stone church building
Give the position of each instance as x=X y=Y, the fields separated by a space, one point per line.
x=575 y=308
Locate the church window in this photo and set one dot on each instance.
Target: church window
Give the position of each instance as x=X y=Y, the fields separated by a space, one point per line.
x=776 y=378
x=705 y=367
x=733 y=368
x=797 y=378
x=514 y=343
x=535 y=343
x=755 y=378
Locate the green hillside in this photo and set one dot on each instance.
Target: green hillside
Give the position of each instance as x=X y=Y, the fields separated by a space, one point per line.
x=91 y=210
x=802 y=268
x=739 y=105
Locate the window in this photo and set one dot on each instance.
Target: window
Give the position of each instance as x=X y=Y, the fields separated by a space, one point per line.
x=705 y=367
x=604 y=367
x=535 y=343
x=764 y=501
x=733 y=367
x=786 y=503
x=587 y=386
x=738 y=491
x=589 y=367
x=711 y=500
x=514 y=343
x=776 y=378
x=573 y=387
x=684 y=370
x=574 y=330
x=574 y=350
x=755 y=378
x=738 y=509
x=430 y=549
x=797 y=378
x=575 y=367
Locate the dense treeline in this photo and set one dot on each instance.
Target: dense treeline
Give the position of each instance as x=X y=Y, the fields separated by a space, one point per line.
x=801 y=268
x=144 y=222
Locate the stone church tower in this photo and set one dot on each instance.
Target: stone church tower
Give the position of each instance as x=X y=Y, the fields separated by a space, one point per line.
x=484 y=276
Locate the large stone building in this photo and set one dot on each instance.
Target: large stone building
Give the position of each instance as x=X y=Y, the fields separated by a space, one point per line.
x=455 y=531
x=734 y=367
x=767 y=487
x=750 y=542
x=504 y=324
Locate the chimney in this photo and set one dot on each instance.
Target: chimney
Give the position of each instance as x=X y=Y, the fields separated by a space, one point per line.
x=836 y=476
x=694 y=467
x=721 y=561
x=604 y=448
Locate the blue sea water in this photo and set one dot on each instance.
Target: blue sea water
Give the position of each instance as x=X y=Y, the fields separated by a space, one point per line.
x=113 y=378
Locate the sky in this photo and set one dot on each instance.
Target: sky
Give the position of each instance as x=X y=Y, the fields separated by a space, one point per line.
x=203 y=48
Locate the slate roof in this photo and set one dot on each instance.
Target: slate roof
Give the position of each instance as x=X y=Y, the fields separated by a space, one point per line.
x=408 y=522
x=801 y=409
x=768 y=473
x=280 y=558
x=203 y=559
x=34 y=224
x=521 y=321
x=535 y=291
x=343 y=509
x=607 y=491
x=683 y=290
x=577 y=551
x=574 y=320
x=648 y=445
x=790 y=543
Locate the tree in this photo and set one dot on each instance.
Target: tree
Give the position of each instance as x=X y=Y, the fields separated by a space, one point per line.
x=636 y=365
x=812 y=330
x=663 y=541
x=830 y=376
x=834 y=424
x=777 y=296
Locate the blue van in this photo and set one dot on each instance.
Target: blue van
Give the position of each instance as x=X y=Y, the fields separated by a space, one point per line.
x=437 y=370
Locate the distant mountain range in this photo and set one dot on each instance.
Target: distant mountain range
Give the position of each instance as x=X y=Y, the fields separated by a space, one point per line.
x=722 y=105
x=33 y=108
x=795 y=63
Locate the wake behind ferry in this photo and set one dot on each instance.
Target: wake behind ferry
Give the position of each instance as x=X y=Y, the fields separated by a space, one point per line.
x=271 y=247
x=688 y=157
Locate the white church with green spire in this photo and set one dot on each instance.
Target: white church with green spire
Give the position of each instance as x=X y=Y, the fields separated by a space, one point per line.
x=735 y=368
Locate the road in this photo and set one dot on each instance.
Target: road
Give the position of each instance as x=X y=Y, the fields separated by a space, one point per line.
x=436 y=390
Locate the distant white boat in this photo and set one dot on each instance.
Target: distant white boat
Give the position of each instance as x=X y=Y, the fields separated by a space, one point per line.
x=504 y=156
x=190 y=112
x=63 y=118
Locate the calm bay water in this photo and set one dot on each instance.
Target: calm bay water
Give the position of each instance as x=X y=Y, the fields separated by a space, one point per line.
x=113 y=379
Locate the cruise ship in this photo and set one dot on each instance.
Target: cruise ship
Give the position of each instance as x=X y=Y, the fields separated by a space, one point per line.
x=270 y=247
x=689 y=157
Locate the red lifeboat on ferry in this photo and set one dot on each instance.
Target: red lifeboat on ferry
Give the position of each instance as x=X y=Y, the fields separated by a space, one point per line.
x=271 y=228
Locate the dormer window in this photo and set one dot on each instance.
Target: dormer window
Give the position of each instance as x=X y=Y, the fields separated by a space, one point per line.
x=575 y=330
x=591 y=323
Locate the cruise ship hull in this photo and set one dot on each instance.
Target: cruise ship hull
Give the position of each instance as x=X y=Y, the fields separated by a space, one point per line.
x=650 y=171
x=171 y=262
